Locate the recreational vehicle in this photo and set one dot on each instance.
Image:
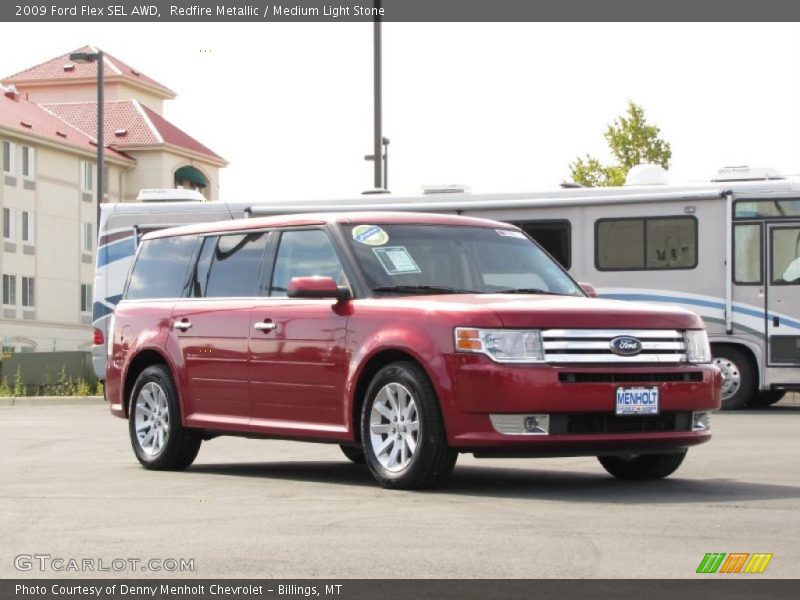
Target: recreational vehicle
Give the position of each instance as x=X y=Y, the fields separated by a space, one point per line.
x=728 y=249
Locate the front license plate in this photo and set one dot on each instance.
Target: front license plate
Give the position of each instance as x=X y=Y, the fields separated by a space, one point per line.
x=637 y=401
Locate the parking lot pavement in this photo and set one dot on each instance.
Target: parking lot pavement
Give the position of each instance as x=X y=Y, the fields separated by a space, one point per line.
x=71 y=488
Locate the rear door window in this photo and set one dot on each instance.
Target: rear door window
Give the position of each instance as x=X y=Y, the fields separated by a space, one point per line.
x=161 y=268
x=228 y=265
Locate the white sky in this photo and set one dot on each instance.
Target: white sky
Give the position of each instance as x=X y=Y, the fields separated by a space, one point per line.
x=499 y=107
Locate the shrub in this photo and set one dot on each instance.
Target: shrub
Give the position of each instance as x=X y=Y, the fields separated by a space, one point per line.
x=19 y=387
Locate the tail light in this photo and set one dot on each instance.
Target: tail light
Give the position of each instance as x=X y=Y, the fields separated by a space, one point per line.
x=97 y=338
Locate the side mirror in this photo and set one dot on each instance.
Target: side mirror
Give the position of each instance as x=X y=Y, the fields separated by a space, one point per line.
x=317 y=287
x=588 y=289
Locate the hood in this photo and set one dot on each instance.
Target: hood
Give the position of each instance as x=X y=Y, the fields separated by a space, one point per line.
x=547 y=312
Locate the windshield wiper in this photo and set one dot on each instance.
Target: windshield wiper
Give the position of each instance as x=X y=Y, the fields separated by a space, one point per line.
x=420 y=289
x=529 y=291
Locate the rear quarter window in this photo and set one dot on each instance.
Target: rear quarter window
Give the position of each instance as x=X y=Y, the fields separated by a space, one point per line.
x=161 y=268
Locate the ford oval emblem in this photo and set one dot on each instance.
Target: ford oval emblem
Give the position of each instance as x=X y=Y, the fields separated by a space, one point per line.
x=625 y=345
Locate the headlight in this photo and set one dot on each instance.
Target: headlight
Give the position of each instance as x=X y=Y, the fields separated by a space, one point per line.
x=502 y=345
x=697 y=347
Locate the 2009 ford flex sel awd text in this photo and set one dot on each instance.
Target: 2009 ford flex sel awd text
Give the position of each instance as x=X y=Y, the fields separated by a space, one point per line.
x=405 y=338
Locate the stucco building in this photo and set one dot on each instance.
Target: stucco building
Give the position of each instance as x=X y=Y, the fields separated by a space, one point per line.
x=48 y=150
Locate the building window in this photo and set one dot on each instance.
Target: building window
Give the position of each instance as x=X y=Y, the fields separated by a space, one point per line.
x=86 y=237
x=8 y=157
x=9 y=290
x=106 y=175
x=86 y=298
x=28 y=162
x=9 y=218
x=87 y=181
x=28 y=292
x=28 y=233
x=640 y=244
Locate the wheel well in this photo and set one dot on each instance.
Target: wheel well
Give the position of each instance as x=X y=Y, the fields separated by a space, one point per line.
x=144 y=359
x=748 y=352
x=375 y=364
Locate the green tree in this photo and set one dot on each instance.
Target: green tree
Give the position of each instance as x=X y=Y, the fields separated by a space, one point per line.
x=632 y=141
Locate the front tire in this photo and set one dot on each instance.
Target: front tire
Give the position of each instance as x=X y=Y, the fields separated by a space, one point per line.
x=738 y=377
x=402 y=429
x=159 y=439
x=643 y=466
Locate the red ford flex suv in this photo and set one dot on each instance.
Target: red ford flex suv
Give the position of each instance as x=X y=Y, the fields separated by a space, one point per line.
x=406 y=339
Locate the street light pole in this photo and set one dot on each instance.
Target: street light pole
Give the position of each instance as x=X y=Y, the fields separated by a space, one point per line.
x=380 y=149
x=377 y=145
x=88 y=57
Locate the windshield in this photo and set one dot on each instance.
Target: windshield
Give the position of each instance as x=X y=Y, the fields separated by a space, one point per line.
x=413 y=259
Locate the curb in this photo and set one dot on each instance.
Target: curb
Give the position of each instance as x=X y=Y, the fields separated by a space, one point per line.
x=51 y=400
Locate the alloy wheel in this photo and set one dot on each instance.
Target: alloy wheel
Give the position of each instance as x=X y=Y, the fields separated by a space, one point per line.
x=151 y=418
x=394 y=427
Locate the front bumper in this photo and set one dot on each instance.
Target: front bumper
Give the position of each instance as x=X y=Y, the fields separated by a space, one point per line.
x=580 y=401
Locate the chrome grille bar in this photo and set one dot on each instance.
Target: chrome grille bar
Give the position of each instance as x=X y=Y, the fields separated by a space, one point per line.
x=594 y=346
x=612 y=333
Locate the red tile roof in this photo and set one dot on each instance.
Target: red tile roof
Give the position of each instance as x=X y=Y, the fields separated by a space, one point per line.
x=40 y=123
x=128 y=124
x=54 y=69
x=177 y=137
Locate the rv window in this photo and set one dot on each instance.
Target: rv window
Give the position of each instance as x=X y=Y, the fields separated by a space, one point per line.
x=646 y=244
x=160 y=269
x=553 y=236
x=769 y=209
x=620 y=244
x=229 y=266
x=785 y=255
x=747 y=253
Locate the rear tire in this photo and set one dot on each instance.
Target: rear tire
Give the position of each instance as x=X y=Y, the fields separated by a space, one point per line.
x=405 y=443
x=738 y=376
x=643 y=466
x=767 y=398
x=159 y=439
x=354 y=453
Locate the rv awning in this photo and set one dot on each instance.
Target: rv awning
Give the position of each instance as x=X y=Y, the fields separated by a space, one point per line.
x=191 y=174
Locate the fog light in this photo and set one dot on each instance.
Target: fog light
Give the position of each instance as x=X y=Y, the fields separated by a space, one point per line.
x=701 y=421
x=521 y=424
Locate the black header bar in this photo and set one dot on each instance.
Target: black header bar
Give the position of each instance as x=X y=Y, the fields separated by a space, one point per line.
x=271 y=11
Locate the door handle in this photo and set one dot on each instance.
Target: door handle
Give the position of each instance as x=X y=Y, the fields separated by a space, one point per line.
x=183 y=325
x=265 y=326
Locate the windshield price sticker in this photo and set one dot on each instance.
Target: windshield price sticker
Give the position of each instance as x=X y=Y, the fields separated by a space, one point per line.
x=371 y=235
x=396 y=260
x=510 y=233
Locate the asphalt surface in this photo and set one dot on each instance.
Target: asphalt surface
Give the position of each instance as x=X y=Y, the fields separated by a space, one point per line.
x=71 y=488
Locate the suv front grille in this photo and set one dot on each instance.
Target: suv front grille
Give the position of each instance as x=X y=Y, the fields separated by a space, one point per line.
x=635 y=377
x=594 y=346
x=594 y=423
